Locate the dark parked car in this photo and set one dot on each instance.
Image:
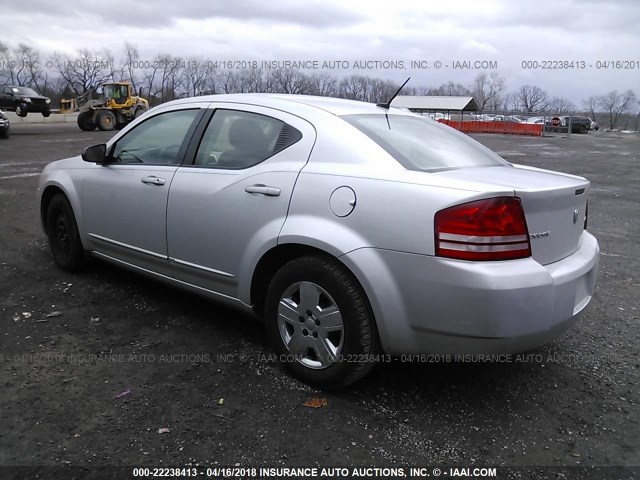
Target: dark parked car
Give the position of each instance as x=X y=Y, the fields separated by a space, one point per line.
x=4 y=125
x=23 y=100
x=561 y=124
x=578 y=124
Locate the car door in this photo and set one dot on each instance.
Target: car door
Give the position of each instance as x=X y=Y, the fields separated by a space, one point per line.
x=125 y=200
x=227 y=208
x=6 y=97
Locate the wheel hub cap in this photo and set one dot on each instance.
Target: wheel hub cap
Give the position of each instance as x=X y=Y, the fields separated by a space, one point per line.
x=310 y=325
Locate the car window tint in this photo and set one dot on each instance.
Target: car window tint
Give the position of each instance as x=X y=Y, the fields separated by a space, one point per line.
x=422 y=144
x=236 y=139
x=155 y=141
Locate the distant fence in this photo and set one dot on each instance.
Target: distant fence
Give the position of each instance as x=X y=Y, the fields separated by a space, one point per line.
x=513 y=128
x=533 y=124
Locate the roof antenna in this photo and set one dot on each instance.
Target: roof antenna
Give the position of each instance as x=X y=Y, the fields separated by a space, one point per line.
x=387 y=105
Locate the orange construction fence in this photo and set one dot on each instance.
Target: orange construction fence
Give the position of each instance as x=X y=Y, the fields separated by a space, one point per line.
x=495 y=127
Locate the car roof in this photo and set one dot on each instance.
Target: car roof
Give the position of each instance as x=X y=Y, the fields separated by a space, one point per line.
x=335 y=106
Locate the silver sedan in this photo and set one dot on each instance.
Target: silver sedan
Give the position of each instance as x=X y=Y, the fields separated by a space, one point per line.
x=354 y=230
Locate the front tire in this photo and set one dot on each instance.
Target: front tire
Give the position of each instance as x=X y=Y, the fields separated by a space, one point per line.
x=64 y=238
x=85 y=122
x=320 y=323
x=22 y=109
x=46 y=113
x=106 y=120
x=4 y=133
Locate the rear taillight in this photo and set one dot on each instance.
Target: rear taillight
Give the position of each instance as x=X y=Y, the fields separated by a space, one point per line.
x=491 y=229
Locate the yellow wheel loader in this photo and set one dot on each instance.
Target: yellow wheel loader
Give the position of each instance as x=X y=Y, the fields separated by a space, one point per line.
x=110 y=106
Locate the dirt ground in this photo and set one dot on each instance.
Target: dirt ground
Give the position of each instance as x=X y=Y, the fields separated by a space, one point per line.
x=93 y=366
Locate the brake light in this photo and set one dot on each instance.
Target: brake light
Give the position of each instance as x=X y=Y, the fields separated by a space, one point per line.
x=491 y=229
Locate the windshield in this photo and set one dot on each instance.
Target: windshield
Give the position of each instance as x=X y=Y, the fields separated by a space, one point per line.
x=115 y=91
x=423 y=144
x=24 y=91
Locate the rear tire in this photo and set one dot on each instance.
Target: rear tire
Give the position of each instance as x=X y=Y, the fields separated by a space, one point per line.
x=106 y=120
x=320 y=323
x=22 y=109
x=64 y=238
x=85 y=122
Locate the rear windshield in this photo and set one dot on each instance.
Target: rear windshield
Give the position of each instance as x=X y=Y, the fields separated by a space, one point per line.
x=423 y=144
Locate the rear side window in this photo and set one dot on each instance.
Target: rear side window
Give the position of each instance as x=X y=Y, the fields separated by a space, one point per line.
x=422 y=144
x=236 y=139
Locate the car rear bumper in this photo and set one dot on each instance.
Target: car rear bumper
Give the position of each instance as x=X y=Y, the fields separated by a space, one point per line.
x=437 y=305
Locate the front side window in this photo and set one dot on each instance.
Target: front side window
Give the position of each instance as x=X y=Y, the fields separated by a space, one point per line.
x=155 y=141
x=422 y=144
x=236 y=139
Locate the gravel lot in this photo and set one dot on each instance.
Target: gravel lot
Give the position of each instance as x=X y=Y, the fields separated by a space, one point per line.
x=200 y=370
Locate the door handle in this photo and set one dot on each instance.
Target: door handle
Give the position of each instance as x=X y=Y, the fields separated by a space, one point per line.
x=152 y=180
x=263 y=190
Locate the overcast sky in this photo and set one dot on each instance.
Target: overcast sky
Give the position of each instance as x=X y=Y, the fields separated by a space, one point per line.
x=508 y=32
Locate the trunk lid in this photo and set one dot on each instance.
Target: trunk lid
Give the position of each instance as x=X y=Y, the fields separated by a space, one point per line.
x=554 y=204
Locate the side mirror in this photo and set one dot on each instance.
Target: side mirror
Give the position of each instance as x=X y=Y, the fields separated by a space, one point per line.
x=95 y=153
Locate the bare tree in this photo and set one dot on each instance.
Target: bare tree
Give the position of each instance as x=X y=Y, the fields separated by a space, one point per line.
x=590 y=105
x=322 y=84
x=194 y=77
x=380 y=90
x=421 y=90
x=227 y=81
x=450 y=89
x=86 y=71
x=28 y=70
x=288 y=81
x=3 y=55
x=163 y=78
x=21 y=66
x=487 y=89
x=532 y=98
x=366 y=89
x=244 y=81
x=559 y=105
x=131 y=64
x=616 y=104
x=353 y=87
x=257 y=80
